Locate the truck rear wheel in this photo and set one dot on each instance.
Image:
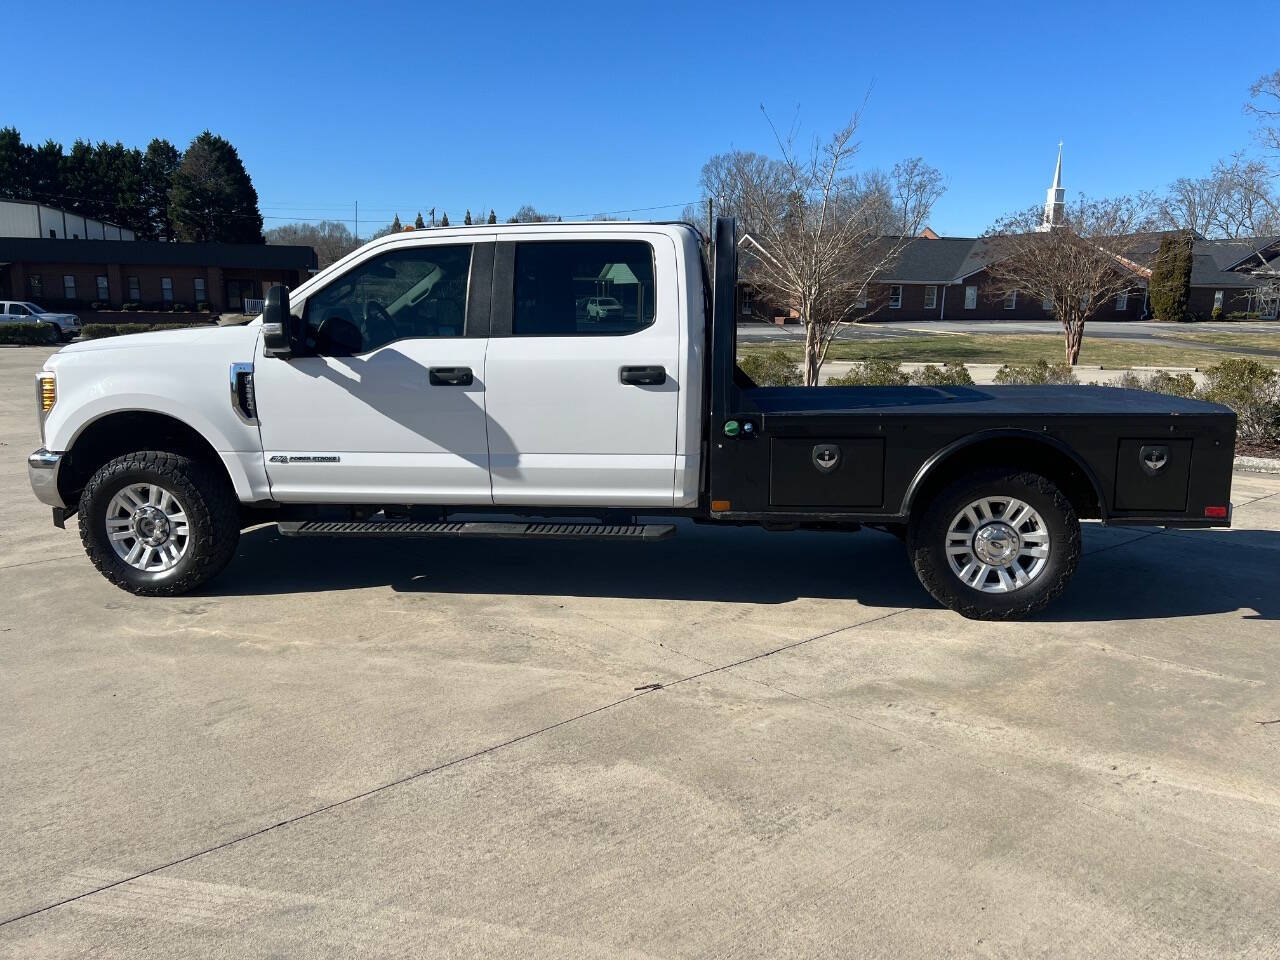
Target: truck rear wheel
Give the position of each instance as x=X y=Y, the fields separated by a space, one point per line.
x=996 y=545
x=157 y=523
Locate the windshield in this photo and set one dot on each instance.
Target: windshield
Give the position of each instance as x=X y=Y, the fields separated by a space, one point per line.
x=33 y=308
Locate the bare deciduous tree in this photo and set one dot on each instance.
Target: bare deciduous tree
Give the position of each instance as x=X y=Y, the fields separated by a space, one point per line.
x=1264 y=103
x=916 y=187
x=331 y=239
x=818 y=234
x=1237 y=199
x=1076 y=267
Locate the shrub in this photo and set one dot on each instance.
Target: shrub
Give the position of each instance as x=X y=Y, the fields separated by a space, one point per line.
x=1178 y=384
x=872 y=373
x=98 y=305
x=1175 y=384
x=179 y=308
x=1252 y=390
x=1040 y=372
x=28 y=334
x=132 y=306
x=771 y=369
x=952 y=374
x=1215 y=313
x=96 y=331
x=204 y=306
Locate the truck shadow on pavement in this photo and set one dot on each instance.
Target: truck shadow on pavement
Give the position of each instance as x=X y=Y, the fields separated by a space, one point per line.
x=1135 y=575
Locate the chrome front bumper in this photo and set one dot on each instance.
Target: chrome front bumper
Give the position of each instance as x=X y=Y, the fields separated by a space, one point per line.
x=42 y=471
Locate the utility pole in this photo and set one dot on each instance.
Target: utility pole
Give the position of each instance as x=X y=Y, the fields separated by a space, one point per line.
x=357 y=221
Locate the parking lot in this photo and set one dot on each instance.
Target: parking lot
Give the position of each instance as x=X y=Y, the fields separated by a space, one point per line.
x=729 y=744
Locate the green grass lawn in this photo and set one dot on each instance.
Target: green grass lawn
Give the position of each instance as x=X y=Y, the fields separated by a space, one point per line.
x=1258 y=341
x=1022 y=348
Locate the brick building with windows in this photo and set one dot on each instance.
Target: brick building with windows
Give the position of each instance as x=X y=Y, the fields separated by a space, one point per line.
x=58 y=273
x=62 y=260
x=946 y=278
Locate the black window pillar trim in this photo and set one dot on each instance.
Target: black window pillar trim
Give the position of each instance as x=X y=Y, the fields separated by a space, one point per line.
x=480 y=291
x=504 y=288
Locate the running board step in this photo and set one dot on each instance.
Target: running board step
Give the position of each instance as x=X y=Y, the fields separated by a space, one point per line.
x=547 y=531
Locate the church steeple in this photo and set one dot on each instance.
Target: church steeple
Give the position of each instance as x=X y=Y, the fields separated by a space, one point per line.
x=1055 y=200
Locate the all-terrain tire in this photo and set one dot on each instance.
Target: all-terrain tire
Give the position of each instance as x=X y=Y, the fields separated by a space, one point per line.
x=927 y=542
x=210 y=503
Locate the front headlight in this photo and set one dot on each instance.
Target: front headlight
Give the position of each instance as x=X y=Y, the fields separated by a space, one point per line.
x=46 y=396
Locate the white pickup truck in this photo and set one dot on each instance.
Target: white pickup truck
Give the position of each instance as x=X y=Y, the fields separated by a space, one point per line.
x=579 y=380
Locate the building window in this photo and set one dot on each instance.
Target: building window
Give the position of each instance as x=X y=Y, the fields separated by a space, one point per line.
x=69 y=287
x=135 y=290
x=35 y=286
x=860 y=302
x=104 y=291
x=166 y=289
x=1047 y=305
x=1011 y=300
x=201 y=294
x=1122 y=301
x=930 y=297
x=970 y=298
x=1217 y=299
x=895 y=297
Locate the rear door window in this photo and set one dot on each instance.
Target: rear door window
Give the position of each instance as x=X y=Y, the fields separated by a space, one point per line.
x=583 y=288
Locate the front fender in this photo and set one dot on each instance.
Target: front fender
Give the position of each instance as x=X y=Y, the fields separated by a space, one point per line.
x=191 y=384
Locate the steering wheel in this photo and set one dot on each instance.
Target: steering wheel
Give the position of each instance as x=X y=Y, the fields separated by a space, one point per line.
x=379 y=328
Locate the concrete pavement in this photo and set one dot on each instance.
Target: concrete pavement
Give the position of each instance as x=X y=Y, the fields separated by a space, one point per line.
x=730 y=744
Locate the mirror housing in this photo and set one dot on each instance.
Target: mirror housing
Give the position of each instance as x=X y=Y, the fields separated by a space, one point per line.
x=280 y=328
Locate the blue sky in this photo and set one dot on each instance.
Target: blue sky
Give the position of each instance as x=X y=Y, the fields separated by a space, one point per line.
x=582 y=108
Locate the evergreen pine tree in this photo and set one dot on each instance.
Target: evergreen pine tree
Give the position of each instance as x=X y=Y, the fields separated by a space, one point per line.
x=467 y=219
x=15 y=180
x=493 y=217
x=212 y=198
x=419 y=224
x=444 y=220
x=159 y=164
x=395 y=224
x=46 y=173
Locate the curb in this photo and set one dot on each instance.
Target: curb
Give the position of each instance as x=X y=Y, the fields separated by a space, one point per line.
x=1258 y=464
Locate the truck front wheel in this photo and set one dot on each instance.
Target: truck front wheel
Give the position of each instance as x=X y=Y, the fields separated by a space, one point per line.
x=157 y=523
x=996 y=545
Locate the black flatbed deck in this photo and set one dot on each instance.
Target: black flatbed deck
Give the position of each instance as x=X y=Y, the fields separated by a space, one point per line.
x=985 y=401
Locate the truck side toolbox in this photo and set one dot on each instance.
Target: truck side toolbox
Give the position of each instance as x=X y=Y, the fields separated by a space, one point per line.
x=826 y=472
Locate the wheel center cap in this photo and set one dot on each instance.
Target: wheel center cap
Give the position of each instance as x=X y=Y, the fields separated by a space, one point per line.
x=996 y=543
x=151 y=526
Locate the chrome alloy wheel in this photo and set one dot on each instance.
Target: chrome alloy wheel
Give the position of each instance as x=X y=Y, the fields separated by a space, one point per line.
x=998 y=544
x=148 y=527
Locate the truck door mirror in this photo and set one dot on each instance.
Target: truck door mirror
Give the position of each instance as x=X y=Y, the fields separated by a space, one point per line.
x=281 y=330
